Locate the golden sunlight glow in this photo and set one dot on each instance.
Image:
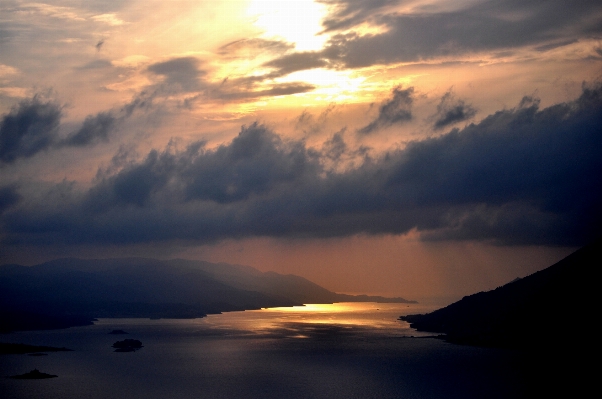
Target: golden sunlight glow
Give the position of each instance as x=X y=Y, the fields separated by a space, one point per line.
x=328 y=81
x=314 y=307
x=295 y=21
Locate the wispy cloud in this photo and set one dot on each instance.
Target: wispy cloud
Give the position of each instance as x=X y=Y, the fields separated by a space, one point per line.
x=452 y=110
x=32 y=126
x=29 y=128
x=397 y=109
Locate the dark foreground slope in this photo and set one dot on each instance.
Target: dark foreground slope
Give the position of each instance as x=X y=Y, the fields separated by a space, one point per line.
x=69 y=292
x=555 y=307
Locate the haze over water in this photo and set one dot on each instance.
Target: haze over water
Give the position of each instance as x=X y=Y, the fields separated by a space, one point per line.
x=349 y=350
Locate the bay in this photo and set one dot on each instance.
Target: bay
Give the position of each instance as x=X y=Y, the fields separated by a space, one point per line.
x=347 y=350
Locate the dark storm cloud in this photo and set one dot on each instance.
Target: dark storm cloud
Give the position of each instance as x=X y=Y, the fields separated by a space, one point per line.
x=520 y=176
x=30 y=127
x=94 y=129
x=396 y=110
x=428 y=33
x=100 y=127
x=255 y=163
x=451 y=110
x=133 y=185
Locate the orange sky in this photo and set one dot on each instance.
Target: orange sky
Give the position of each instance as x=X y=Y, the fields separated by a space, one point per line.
x=413 y=148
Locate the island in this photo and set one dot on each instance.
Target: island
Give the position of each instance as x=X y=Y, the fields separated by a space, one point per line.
x=34 y=374
x=127 y=345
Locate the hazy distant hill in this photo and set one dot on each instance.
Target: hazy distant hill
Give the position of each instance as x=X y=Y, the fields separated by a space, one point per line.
x=546 y=309
x=68 y=292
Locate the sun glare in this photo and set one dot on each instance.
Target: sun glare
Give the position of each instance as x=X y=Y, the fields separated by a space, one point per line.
x=294 y=21
x=316 y=308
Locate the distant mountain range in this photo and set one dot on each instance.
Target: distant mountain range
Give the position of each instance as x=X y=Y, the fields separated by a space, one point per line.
x=69 y=292
x=555 y=307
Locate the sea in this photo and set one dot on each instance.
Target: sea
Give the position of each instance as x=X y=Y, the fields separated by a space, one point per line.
x=342 y=350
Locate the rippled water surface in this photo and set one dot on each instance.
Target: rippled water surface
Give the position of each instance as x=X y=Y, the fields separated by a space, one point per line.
x=349 y=350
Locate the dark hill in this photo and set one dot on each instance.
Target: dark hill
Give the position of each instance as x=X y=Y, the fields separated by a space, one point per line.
x=68 y=292
x=550 y=308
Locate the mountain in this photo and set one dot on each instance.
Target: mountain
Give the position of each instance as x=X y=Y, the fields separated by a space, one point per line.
x=547 y=309
x=68 y=292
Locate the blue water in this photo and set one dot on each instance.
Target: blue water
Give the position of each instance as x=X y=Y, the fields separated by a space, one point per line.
x=355 y=350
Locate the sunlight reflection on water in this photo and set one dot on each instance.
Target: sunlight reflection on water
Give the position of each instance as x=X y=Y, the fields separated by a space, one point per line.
x=348 y=350
x=297 y=321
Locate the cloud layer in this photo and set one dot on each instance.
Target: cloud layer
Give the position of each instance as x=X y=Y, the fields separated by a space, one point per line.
x=520 y=176
x=413 y=32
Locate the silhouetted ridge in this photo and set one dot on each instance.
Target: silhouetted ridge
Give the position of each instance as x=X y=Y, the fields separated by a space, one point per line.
x=70 y=292
x=545 y=308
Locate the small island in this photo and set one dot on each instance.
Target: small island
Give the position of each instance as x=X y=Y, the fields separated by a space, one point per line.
x=34 y=374
x=127 y=345
x=118 y=332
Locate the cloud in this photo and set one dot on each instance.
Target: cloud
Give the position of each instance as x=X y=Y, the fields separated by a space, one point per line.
x=451 y=110
x=133 y=184
x=396 y=110
x=296 y=62
x=109 y=19
x=8 y=197
x=520 y=176
x=94 y=129
x=281 y=89
x=6 y=35
x=349 y=13
x=30 y=127
x=335 y=147
x=554 y=45
x=97 y=64
x=249 y=47
x=311 y=125
x=182 y=73
x=439 y=31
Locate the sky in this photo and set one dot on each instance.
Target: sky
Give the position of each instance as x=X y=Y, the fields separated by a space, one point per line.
x=416 y=148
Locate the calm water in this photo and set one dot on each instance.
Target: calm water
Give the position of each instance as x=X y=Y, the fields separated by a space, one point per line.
x=350 y=350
